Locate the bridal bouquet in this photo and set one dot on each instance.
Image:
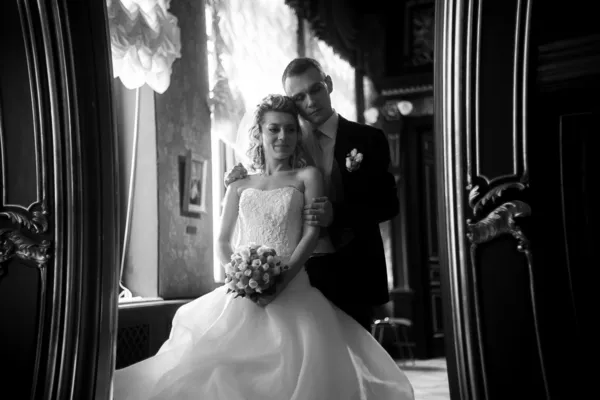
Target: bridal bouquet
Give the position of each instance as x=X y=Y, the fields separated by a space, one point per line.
x=254 y=271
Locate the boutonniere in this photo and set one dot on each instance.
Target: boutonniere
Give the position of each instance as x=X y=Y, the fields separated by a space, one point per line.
x=237 y=172
x=353 y=160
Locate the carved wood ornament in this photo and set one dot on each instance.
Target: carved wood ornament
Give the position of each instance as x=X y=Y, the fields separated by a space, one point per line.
x=481 y=124
x=487 y=185
x=14 y=243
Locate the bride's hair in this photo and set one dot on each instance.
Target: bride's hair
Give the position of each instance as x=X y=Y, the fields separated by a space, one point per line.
x=256 y=153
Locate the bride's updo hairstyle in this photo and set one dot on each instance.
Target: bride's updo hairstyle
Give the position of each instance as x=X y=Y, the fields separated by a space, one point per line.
x=256 y=153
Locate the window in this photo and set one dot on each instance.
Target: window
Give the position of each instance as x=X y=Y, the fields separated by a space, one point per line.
x=249 y=44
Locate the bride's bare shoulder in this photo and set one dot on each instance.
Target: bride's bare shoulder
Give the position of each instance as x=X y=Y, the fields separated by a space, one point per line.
x=309 y=172
x=249 y=181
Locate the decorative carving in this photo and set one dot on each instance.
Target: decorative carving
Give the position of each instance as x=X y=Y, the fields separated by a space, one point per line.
x=390 y=111
x=420 y=34
x=416 y=89
x=501 y=221
x=14 y=244
x=334 y=22
x=477 y=201
x=490 y=128
x=36 y=224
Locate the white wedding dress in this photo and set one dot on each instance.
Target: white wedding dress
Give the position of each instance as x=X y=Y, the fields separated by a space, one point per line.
x=299 y=347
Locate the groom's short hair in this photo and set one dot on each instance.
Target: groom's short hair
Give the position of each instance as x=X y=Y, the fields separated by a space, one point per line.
x=299 y=66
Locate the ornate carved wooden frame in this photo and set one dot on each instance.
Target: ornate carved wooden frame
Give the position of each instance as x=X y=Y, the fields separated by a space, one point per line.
x=465 y=180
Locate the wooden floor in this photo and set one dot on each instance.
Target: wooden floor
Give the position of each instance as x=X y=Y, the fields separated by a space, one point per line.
x=428 y=377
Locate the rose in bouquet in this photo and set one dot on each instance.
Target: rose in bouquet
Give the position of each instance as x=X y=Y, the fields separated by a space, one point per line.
x=254 y=271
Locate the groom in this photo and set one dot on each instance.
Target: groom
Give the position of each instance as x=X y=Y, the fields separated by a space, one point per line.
x=349 y=264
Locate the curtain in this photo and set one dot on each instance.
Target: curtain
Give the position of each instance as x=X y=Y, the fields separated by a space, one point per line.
x=145 y=41
x=251 y=43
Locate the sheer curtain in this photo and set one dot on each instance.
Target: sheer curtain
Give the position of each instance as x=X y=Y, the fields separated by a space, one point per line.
x=250 y=43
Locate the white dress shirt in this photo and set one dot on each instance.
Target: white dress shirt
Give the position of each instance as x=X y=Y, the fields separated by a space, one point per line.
x=328 y=128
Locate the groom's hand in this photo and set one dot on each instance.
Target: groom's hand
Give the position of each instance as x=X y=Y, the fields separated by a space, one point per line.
x=237 y=172
x=319 y=212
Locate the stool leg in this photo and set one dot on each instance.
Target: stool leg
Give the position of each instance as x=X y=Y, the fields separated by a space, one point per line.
x=381 y=330
x=409 y=347
x=398 y=344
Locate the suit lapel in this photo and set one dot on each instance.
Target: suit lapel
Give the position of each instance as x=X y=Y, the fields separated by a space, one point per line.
x=342 y=235
x=340 y=151
x=341 y=143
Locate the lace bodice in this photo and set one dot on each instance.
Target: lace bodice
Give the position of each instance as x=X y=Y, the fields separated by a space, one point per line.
x=271 y=217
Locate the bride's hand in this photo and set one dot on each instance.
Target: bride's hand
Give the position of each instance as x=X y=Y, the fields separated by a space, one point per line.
x=280 y=286
x=265 y=300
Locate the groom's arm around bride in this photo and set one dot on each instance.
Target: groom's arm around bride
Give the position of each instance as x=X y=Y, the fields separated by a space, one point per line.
x=356 y=277
x=355 y=160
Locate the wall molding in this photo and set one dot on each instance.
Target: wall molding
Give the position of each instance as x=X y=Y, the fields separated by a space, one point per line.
x=567 y=63
x=481 y=124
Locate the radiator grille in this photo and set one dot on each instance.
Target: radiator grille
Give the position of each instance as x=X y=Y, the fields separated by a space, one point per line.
x=133 y=345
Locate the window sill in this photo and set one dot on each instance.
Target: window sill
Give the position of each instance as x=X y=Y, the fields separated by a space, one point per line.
x=138 y=302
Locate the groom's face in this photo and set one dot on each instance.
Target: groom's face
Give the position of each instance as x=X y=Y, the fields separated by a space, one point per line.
x=310 y=91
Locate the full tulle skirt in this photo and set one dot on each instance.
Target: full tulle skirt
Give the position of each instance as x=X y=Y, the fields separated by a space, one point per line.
x=299 y=347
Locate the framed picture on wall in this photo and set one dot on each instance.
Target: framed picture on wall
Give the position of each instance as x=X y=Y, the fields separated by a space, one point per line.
x=195 y=184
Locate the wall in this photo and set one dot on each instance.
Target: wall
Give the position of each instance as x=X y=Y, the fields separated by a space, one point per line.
x=183 y=122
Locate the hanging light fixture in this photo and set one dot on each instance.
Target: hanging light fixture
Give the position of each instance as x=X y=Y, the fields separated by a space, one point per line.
x=371 y=115
x=145 y=41
x=405 y=107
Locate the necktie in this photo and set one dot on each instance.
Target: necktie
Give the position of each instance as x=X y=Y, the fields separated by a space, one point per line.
x=327 y=165
x=321 y=156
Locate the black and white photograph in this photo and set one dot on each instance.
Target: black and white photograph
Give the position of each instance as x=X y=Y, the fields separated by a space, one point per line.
x=298 y=200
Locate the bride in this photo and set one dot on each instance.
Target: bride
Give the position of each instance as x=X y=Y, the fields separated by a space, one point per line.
x=294 y=344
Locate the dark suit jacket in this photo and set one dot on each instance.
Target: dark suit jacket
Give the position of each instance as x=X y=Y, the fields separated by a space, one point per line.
x=369 y=197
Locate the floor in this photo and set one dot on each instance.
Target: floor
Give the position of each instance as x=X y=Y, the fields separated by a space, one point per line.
x=428 y=377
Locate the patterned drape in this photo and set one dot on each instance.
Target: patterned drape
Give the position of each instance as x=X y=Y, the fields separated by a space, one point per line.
x=145 y=41
x=334 y=22
x=342 y=74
